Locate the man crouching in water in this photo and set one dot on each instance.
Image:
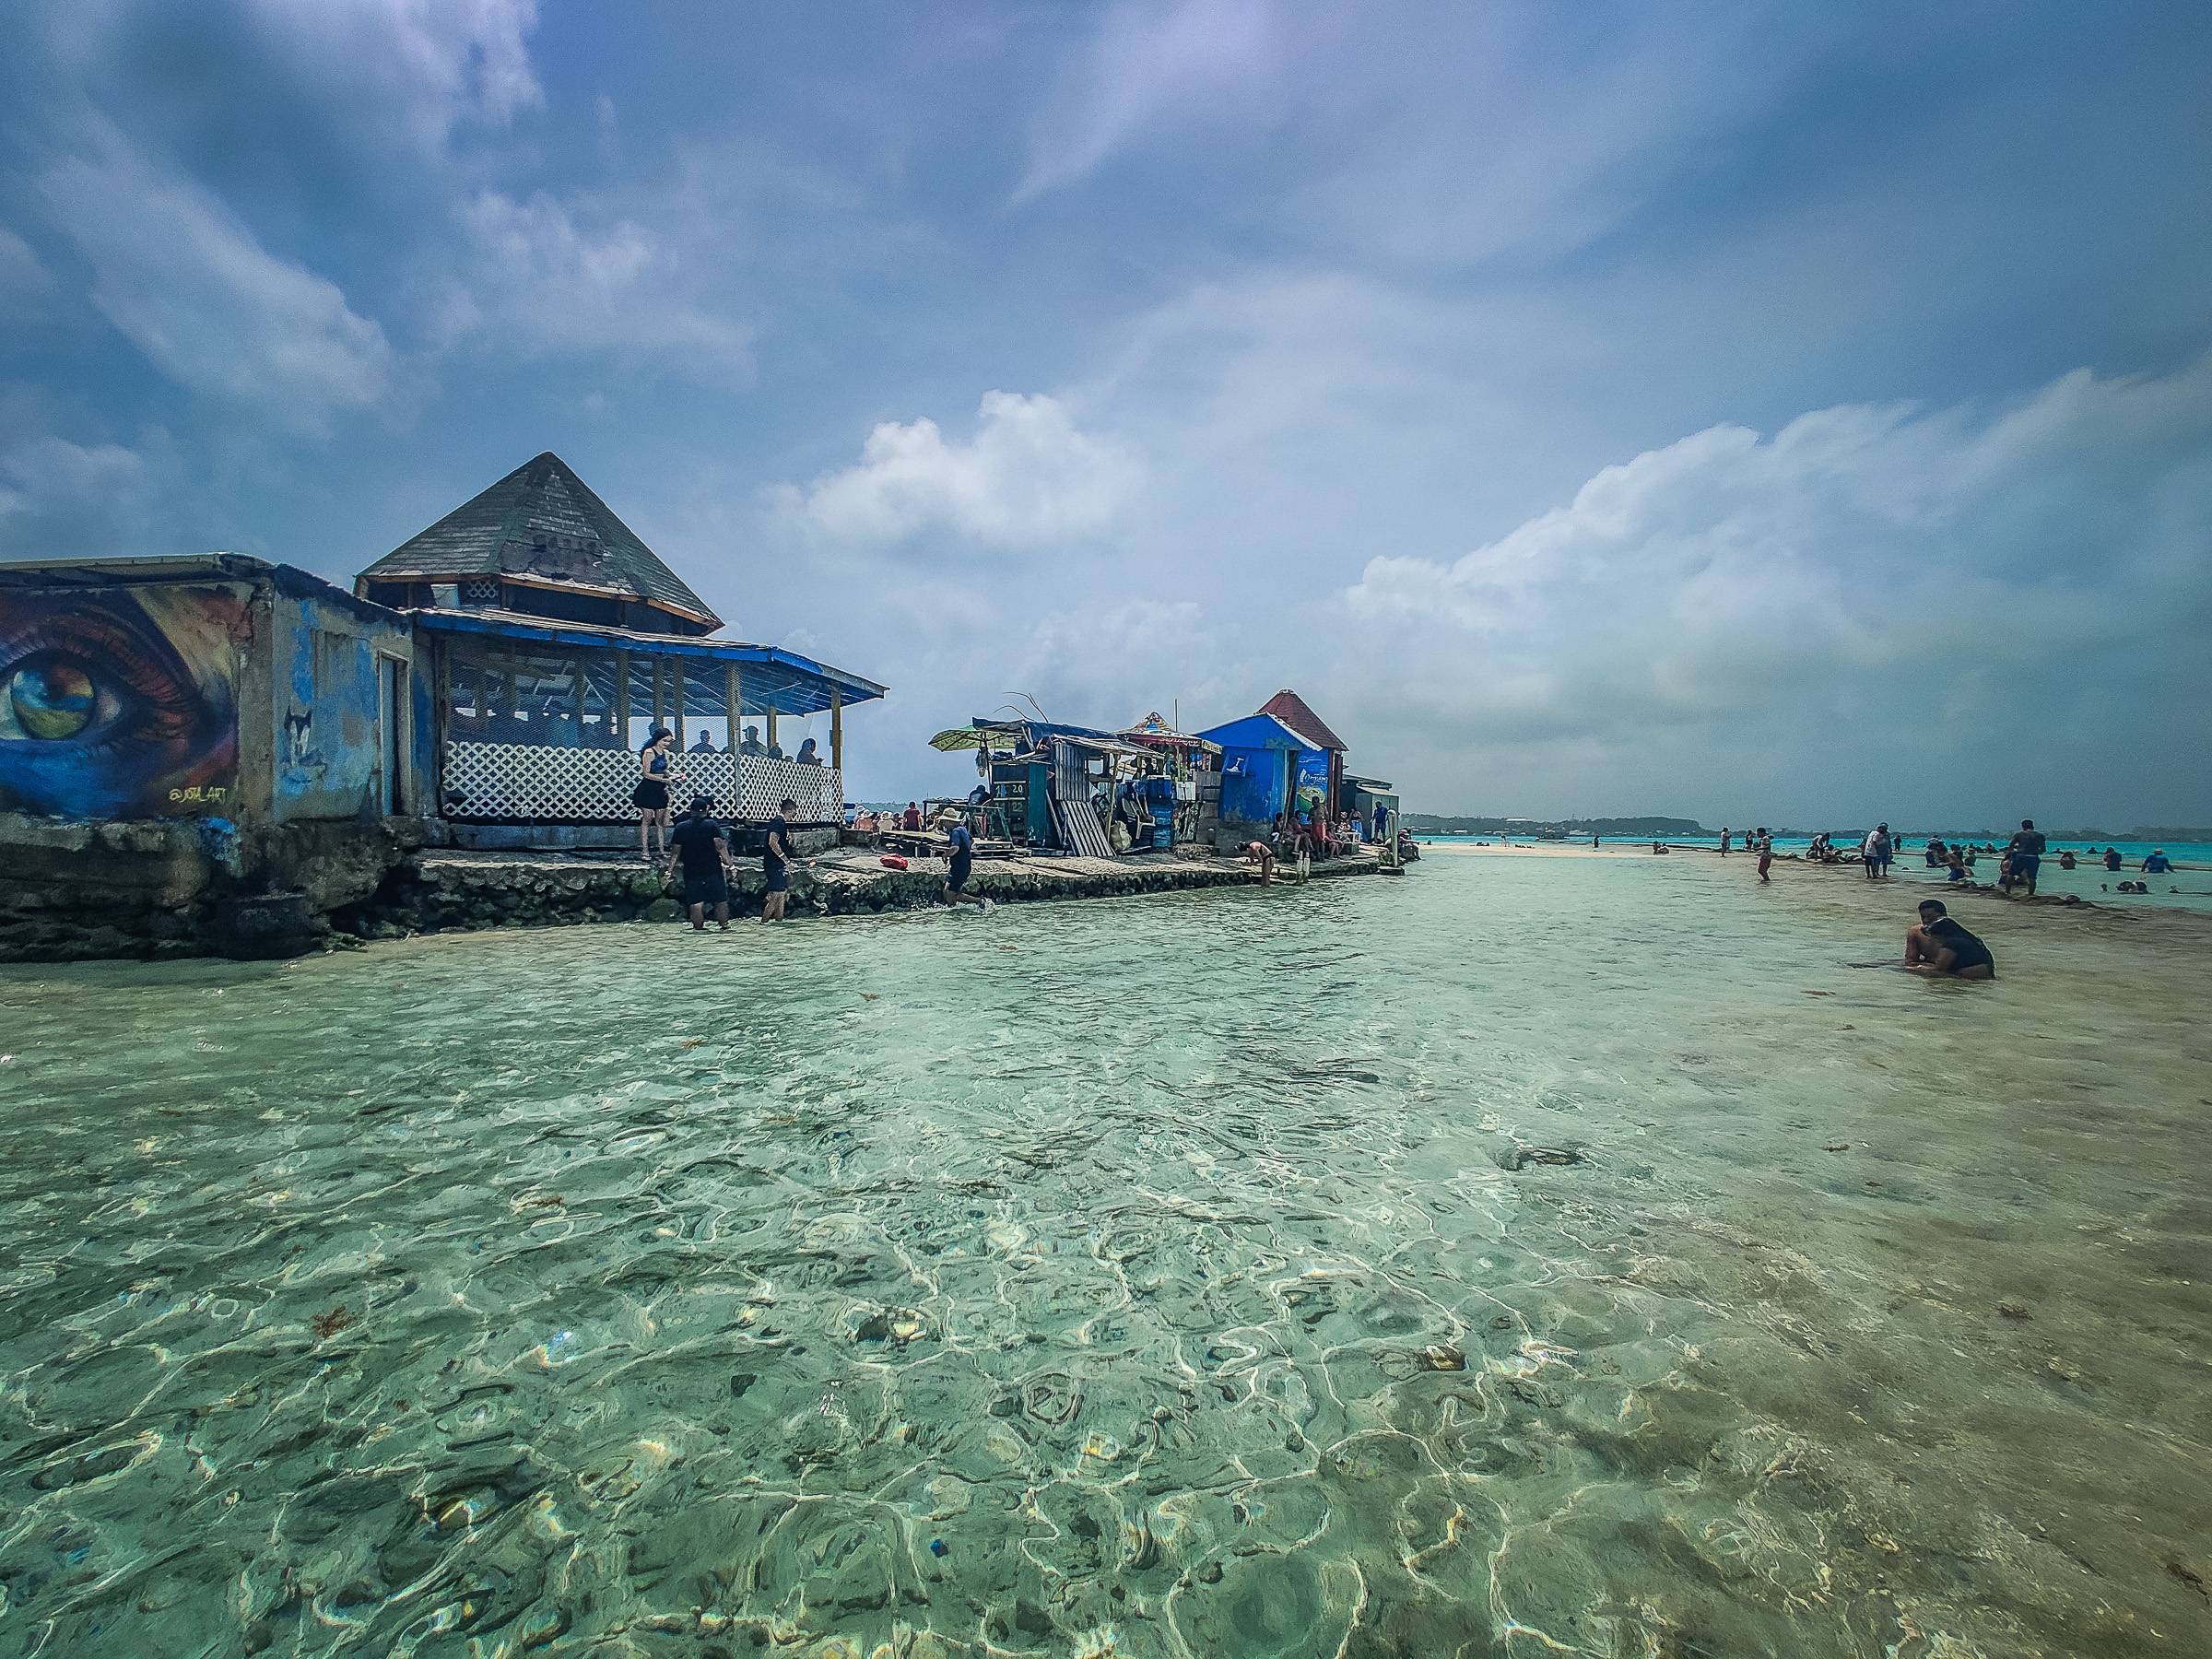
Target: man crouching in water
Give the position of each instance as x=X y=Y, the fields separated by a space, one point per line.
x=1941 y=945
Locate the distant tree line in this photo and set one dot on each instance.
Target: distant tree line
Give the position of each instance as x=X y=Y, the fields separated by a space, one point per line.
x=1583 y=827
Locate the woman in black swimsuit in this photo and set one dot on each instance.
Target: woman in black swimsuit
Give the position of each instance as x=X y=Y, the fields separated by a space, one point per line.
x=656 y=762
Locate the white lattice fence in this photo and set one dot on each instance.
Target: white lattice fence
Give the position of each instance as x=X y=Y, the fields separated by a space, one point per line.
x=505 y=782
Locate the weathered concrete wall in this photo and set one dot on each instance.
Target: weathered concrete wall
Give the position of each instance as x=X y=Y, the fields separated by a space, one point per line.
x=332 y=742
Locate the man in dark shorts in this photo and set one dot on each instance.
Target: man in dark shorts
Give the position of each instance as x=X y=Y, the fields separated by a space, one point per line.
x=1941 y=945
x=776 y=859
x=701 y=846
x=961 y=843
x=2027 y=853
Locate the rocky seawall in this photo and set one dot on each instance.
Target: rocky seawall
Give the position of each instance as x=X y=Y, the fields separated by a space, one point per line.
x=439 y=891
x=198 y=887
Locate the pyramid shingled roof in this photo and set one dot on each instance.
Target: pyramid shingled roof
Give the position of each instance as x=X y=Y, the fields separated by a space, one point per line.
x=1291 y=708
x=543 y=524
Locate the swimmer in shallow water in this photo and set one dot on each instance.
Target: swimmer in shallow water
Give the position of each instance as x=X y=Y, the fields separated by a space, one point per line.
x=1940 y=946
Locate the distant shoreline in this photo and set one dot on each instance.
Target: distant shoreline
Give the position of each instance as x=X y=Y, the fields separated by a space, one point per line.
x=1655 y=827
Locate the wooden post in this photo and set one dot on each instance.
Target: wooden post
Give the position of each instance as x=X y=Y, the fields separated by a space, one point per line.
x=729 y=702
x=837 y=727
x=442 y=715
x=683 y=695
x=583 y=696
x=771 y=727
x=622 y=695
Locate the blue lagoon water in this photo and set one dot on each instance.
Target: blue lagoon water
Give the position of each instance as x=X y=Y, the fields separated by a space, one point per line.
x=2188 y=887
x=1529 y=1256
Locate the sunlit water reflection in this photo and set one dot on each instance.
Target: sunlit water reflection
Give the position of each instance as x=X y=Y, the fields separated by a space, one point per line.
x=1528 y=1256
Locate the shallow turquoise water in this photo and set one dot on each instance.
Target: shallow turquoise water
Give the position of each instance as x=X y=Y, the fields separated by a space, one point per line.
x=2187 y=888
x=1447 y=1265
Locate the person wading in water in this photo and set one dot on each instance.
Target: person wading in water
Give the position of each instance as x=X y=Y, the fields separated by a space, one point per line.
x=702 y=846
x=776 y=859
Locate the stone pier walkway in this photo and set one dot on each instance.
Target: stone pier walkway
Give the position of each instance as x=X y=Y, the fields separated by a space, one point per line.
x=456 y=889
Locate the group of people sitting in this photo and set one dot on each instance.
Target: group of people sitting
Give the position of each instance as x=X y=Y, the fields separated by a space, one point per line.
x=875 y=823
x=1877 y=849
x=749 y=743
x=1297 y=837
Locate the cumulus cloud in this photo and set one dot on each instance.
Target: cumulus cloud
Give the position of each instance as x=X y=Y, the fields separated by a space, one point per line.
x=59 y=499
x=1987 y=566
x=540 y=284
x=1027 y=478
x=190 y=286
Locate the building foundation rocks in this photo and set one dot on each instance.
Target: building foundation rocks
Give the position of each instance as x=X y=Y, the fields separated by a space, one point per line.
x=197 y=887
x=439 y=890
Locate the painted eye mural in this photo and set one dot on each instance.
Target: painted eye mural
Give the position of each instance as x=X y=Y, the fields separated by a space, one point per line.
x=120 y=703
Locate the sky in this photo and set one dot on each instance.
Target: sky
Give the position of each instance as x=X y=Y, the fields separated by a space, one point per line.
x=1793 y=413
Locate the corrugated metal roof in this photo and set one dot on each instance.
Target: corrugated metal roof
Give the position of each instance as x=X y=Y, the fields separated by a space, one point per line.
x=541 y=524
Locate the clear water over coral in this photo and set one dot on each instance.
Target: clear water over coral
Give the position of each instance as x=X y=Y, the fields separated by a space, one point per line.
x=1528 y=1256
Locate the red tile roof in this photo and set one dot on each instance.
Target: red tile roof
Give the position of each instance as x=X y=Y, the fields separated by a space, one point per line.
x=1291 y=708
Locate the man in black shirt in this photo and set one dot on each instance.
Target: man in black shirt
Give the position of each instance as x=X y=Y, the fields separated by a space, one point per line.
x=701 y=846
x=776 y=858
x=1941 y=945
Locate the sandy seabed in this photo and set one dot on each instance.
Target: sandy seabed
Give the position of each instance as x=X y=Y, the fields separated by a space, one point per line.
x=1523 y=1257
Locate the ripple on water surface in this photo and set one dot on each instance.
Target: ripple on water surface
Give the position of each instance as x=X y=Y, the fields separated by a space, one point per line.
x=1525 y=1257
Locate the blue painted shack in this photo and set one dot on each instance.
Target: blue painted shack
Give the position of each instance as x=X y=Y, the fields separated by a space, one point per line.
x=197 y=748
x=1262 y=760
